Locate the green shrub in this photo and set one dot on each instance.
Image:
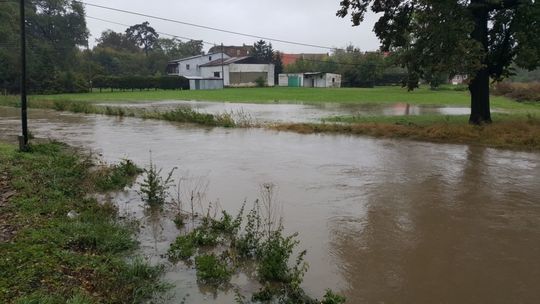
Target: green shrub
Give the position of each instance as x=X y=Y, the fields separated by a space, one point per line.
x=260 y=82
x=154 y=187
x=141 y=82
x=273 y=256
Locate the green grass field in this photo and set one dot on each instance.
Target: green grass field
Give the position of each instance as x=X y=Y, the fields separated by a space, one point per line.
x=378 y=95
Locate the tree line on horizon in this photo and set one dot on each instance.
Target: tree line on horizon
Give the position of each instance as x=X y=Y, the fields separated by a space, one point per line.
x=60 y=60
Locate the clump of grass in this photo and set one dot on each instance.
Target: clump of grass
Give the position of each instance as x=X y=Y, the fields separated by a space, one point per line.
x=74 y=106
x=182 y=248
x=190 y=116
x=211 y=269
x=117 y=177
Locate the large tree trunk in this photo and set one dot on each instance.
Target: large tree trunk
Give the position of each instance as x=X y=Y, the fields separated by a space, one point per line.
x=479 y=85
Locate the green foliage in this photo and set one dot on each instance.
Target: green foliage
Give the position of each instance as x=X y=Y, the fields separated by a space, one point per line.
x=274 y=255
x=182 y=248
x=191 y=116
x=143 y=35
x=332 y=298
x=141 y=82
x=260 y=82
x=211 y=270
x=427 y=44
x=263 y=52
x=154 y=187
x=60 y=259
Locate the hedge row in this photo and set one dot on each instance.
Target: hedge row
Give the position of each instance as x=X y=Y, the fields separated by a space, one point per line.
x=141 y=82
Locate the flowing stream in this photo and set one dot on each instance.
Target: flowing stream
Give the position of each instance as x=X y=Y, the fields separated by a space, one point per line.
x=383 y=221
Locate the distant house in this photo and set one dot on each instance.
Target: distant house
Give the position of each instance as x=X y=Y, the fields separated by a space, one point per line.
x=204 y=70
x=233 y=51
x=310 y=80
x=240 y=71
x=459 y=79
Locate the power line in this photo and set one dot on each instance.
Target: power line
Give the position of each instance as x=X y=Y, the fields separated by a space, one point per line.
x=204 y=26
x=161 y=33
x=214 y=44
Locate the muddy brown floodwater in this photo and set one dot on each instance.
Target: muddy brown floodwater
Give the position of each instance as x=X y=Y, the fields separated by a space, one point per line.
x=298 y=113
x=384 y=221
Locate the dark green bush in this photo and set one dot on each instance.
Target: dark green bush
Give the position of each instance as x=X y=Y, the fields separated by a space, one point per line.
x=141 y=82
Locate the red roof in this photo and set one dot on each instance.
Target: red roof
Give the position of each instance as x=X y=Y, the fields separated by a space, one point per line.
x=289 y=59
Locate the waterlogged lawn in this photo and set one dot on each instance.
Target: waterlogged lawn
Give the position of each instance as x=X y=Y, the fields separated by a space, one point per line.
x=66 y=247
x=378 y=95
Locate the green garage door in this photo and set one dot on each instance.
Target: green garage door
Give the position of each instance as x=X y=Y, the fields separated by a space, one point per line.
x=294 y=81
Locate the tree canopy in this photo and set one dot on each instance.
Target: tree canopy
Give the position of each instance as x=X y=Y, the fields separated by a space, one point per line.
x=480 y=38
x=143 y=35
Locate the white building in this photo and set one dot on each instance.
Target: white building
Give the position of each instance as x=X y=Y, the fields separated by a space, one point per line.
x=234 y=71
x=310 y=80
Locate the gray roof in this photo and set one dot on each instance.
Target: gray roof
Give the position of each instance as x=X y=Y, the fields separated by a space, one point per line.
x=225 y=61
x=192 y=57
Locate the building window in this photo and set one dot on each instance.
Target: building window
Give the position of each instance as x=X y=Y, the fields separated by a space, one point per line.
x=333 y=80
x=187 y=67
x=217 y=74
x=210 y=58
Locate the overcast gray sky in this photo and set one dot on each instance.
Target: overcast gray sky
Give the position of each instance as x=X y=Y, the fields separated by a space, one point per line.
x=306 y=21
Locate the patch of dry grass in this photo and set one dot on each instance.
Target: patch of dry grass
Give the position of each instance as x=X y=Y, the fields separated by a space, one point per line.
x=522 y=135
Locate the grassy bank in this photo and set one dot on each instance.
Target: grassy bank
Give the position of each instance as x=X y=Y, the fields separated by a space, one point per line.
x=63 y=245
x=520 y=132
x=378 y=95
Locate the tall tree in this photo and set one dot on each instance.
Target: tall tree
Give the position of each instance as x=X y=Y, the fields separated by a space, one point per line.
x=144 y=36
x=480 y=38
x=264 y=52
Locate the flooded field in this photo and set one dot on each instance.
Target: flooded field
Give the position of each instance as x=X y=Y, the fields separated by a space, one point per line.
x=297 y=113
x=383 y=221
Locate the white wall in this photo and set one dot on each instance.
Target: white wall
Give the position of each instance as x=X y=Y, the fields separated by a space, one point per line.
x=208 y=72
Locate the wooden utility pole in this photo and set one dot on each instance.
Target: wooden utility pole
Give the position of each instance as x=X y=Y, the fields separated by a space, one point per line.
x=222 y=67
x=23 y=140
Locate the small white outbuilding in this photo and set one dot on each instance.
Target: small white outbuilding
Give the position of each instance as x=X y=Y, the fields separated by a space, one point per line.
x=310 y=80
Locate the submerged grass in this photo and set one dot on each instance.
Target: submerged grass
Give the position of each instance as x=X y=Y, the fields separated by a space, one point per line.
x=68 y=247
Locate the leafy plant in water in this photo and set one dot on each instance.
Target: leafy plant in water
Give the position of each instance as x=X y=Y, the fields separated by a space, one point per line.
x=333 y=298
x=211 y=269
x=247 y=243
x=183 y=248
x=154 y=187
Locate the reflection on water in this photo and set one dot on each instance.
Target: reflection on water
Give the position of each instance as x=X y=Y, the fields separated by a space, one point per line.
x=384 y=221
x=264 y=113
